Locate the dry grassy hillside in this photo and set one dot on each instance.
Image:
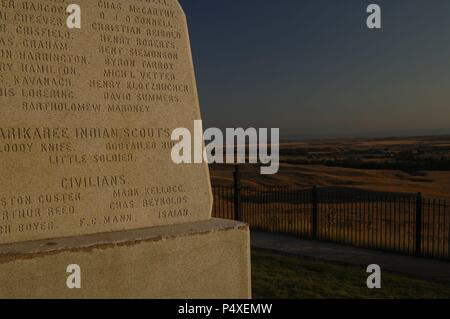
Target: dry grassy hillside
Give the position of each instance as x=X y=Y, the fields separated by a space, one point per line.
x=388 y=165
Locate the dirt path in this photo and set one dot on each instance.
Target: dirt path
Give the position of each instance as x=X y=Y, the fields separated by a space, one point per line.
x=418 y=267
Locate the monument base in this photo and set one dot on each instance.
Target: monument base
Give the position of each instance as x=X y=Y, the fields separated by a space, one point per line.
x=208 y=259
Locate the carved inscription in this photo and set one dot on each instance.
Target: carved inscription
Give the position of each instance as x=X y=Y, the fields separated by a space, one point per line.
x=86 y=117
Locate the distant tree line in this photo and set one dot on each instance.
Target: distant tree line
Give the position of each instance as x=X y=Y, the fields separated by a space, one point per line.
x=409 y=166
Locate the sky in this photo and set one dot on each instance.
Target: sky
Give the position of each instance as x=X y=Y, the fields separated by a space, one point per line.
x=313 y=69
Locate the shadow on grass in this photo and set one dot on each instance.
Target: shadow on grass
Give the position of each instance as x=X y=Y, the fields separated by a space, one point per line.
x=281 y=276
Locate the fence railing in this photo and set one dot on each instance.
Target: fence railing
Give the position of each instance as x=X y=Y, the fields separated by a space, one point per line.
x=407 y=224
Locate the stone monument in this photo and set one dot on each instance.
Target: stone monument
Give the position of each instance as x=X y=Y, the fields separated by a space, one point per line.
x=86 y=116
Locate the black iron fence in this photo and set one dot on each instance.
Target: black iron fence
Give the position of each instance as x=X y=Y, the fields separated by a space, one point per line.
x=407 y=224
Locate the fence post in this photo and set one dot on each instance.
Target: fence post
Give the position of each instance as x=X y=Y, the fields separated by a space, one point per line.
x=314 y=213
x=237 y=193
x=419 y=206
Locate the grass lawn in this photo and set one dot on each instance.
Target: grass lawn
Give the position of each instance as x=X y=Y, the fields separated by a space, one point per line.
x=288 y=277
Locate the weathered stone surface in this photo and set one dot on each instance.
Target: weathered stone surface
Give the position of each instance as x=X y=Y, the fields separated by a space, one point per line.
x=198 y=260
x=86 y=117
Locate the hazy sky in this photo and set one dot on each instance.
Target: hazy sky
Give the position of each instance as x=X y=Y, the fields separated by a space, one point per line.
x=313 y=68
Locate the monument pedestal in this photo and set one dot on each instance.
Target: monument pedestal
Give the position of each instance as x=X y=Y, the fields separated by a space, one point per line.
x=209 y=259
